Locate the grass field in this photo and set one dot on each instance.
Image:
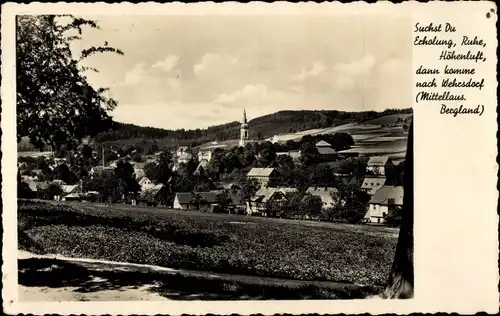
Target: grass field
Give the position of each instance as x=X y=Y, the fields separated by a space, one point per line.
x=209 y=242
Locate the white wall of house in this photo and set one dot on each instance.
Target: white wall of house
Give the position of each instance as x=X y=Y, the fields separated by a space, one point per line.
x=377 y=213
x=378 y=170
x=179 y=206
x=205 y=155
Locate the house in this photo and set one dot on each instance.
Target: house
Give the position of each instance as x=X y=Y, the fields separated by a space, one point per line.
x=144 y=182
x=388 y=200
x=205 y=154
x=184 y=158
x=77 y=196
x=201 y=166
x=139 y=170
x=35 y=187
x=69 y=189
x=58 y=182
x=294 y=154
x=152 y=194
x=181 y=150
x=326 y=152
x=100 y=169
x=326 y=194
x=262 y=175
x=373 y=184
x=257 y=203
x=186 y=200
x=378 y=165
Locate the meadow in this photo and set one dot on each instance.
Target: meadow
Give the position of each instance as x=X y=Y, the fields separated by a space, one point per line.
x=231 y=244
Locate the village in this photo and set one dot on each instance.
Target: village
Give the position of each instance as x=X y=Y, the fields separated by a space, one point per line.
x=305 y=179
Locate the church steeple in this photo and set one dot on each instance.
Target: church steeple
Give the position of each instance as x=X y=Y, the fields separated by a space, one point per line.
x=244 y=129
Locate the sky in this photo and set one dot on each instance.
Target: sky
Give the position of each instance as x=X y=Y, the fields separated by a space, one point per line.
x=198 y=71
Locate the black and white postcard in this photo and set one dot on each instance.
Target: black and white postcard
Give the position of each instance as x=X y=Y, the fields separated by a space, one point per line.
x=249 y=158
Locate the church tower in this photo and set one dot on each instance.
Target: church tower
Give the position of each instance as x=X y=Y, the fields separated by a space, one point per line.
x=244 y=130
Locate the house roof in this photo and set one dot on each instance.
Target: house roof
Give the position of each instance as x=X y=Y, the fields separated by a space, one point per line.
x=186 y=156
x=324 y=193
x=68 y=188
x=32 y=185
x=58 y=182
x=260 y=172
x=143 y=180
x=373 y=184
x=151 y=190
x=326 y=151
x=139 y=165
x=183 y=197
x=264 y=194
x=186 y=197
x=378 y=160
x=383 y=195
x=322 y=143
x=203 y=164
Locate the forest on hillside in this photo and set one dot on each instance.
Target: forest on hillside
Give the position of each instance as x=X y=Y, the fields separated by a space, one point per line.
x=260 y=128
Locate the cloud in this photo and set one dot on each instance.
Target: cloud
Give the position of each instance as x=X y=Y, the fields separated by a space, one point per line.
x=248 y=95
x=168 y=64
x=348 y=75
x=315 y=70
x=136 y=74
x=208 y=60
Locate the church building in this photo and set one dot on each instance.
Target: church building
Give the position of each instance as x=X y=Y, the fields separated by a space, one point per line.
x=244 y=130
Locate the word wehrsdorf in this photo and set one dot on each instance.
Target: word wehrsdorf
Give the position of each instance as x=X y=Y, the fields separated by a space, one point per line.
x=454 y=83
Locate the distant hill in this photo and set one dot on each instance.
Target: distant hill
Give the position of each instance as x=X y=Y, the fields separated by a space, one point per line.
x=260 y=128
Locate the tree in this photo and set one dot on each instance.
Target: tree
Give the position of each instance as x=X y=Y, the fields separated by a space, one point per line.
x=223 y=200
x=352 y=204
x=309 y=154
x=62 y=172
x=56 y=103
x=311 y=205
x=401 y=277
x=126 y=178
x=196 y=200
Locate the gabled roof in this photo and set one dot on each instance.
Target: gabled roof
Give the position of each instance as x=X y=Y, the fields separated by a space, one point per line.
x=260 y=172
x=203 y=164
x=378 y=161
x=373 y=184
x=58 y=182
x=69 y=188
x=382 y=196
x=324 y=193
x=207 y=197
x=32 y=185
x=139 y=165
x=151 y=190
x=322 y=143
x=183 y=197
x=186 y=156
x=326 y=151
x=143 y=180
x=264 y=194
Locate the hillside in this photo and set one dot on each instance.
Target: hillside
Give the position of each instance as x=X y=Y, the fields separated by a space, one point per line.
x=263 y=127
x=260 y=128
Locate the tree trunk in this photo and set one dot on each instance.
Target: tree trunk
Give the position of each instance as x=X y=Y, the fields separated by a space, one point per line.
x=400 y=284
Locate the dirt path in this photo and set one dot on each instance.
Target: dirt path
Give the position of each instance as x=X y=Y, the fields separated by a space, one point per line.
x=59 y=278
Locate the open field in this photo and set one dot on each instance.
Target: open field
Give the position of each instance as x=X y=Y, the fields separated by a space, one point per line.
x=231 y=244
